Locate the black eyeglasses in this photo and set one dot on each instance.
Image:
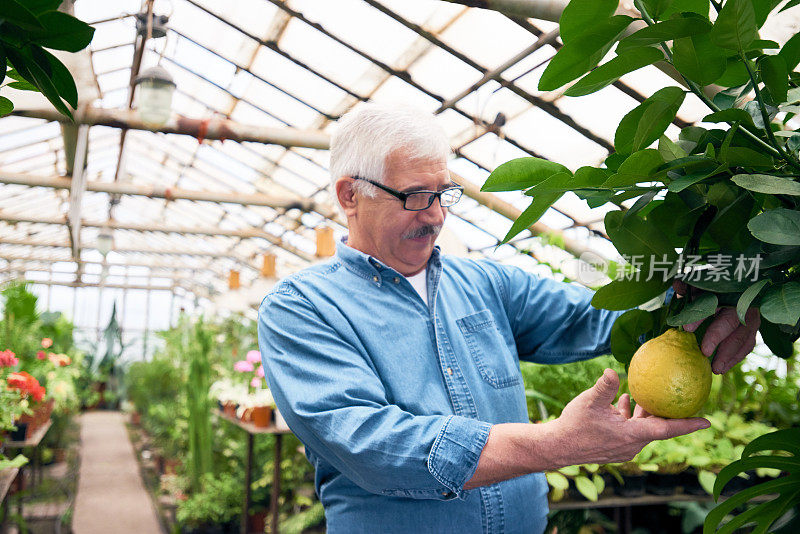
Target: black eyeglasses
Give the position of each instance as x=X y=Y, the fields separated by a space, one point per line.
x=421 y=200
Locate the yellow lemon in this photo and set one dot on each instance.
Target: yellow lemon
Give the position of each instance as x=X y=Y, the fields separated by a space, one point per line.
x=669 y=376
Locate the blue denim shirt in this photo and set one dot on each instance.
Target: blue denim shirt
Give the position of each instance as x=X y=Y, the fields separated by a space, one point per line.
x=394 y=400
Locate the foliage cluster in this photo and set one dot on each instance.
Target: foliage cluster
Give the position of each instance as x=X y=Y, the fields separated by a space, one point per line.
x=26 y=30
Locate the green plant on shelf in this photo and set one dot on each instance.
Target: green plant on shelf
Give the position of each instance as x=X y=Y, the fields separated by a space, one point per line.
x=586 y=479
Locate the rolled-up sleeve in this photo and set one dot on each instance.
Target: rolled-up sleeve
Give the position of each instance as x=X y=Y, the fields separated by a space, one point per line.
x=552 y=322
x=333 y=400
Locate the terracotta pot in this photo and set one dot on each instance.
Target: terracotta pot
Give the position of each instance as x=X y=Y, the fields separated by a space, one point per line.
x=262 y=416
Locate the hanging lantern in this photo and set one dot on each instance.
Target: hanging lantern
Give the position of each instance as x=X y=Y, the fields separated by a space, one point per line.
x=268 y=267
x=105 y=241
x=325 y=244
x=154 y=96
x=233 y=280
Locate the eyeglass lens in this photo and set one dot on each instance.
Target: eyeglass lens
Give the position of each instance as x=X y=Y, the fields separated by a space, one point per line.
x=421 y=201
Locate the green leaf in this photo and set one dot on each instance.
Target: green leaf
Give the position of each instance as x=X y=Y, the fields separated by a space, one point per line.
x=765 y=488
x=571 y=470
x=779 y=226
x=790 y=53
x=626 y=331
x=687 y=6
x=521 y=173
x=578 y=15
x=625 y=294
x=730 y=115
x=739 y=156
x=781 y=440
x=580 y=55
x=37 y=7
x=611 y=71
x=706 y=479
x=6 y=106
x=781 y=304
x=775 y=76
x=655 y=8
x=728 y=228
x=643 y=125
x=703 y=306
x=638 y=167
x=698 y=58
x=62 y=79
x=13 y=12
x=747 y=298
x=762 y=8
x=679 y=184
x=735 y=73
x=586 y=487
x=735 y=27
x=634 y=236
x=557 y=480
x=43 y=82
x=667 y=30
x=669 y=150
x=764 y=183
x=789 y=5
x=532 y=213
x=23 y=86
x=62 y=32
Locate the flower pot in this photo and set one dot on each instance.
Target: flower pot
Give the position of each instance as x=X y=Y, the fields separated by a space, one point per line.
x=632 y=486
x=690 y=483
x=21 y=433
x=262 y=416
x=662 y=483
x=257 y=522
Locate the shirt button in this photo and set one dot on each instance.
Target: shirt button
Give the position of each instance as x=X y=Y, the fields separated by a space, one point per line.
x=450 y=371
x=396 y=280
x=375 y=278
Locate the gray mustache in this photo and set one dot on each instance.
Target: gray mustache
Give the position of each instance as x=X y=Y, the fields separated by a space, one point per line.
x=422 y=231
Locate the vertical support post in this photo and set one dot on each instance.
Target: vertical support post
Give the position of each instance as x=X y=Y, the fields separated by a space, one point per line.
x=276 y=483
x=247 y=481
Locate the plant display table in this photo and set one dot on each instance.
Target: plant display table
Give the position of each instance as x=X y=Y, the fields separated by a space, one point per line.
x=252 y=430
x=7 y=476
x=622 y=505
x=33 y=443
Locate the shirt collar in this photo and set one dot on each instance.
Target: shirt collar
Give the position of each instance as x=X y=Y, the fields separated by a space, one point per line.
x=368 y=266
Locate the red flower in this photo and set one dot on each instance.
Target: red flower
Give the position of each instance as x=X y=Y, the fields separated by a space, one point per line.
x=26 y=384
x=8 y=359
x=41 y=355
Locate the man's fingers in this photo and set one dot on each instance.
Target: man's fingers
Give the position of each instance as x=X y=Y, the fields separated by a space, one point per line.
x=724 y=324
x=605 y=390
x=654 y=428
x=640 y=412
x=624 y=405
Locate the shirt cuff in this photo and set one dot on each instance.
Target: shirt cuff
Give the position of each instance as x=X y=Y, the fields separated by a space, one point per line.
x=454 y=456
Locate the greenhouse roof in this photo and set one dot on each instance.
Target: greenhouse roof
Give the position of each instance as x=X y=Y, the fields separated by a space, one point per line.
x=185 y=209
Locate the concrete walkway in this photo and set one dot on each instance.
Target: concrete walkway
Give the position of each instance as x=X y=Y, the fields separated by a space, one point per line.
x=111 y=496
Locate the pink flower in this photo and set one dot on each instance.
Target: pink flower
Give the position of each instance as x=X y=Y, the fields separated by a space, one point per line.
x=41 y=355
x=255 y=382
x=47 y=342
x=253 y=356
x=260 y=371
x=243 y=366
x=8 y=359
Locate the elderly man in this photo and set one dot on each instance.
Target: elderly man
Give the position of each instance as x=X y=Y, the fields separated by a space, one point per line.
x=398 y=367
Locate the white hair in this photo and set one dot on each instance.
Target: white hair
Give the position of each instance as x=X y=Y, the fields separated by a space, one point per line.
x=366 y=136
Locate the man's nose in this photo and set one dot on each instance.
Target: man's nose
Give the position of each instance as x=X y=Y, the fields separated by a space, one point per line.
x=434 y=214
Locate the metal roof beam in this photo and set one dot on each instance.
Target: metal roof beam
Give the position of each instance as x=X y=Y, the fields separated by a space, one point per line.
x=166 y=228
x=214 y=129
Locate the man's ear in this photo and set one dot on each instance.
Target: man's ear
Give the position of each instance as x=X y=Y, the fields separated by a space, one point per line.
x=347 y=197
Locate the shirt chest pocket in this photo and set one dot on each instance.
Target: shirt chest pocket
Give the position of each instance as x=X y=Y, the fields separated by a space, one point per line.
x=489 y=351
